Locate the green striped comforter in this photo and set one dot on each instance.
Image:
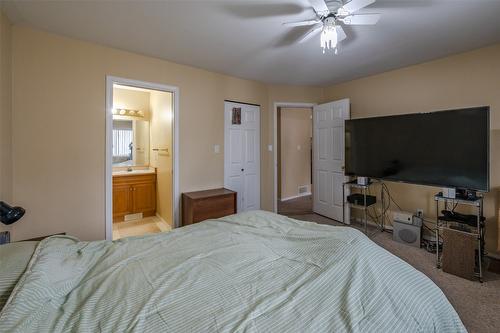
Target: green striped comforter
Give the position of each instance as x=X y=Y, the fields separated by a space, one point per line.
x=252 y=272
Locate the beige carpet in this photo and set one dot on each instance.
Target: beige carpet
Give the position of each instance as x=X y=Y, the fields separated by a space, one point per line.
x=478 y=304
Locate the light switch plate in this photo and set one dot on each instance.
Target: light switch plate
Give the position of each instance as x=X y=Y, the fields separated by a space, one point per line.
x=216 y=149
x=270 y=147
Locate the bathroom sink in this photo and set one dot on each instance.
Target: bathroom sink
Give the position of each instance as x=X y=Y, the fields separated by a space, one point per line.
x=133 y=172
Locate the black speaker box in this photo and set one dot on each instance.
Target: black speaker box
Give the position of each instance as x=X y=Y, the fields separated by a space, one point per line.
x=359 y=199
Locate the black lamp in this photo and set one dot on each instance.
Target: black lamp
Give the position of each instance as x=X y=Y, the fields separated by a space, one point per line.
x=9 y=214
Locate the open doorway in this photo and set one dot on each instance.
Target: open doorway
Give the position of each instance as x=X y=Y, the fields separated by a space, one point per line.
x=294 y=160
x=141 y=154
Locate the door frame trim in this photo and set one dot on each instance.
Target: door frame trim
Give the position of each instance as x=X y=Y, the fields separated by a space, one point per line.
x=275 y=142
x=251 y=104
x=108 y=176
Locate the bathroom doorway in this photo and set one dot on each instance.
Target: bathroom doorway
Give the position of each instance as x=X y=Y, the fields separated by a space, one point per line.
x=141 y=158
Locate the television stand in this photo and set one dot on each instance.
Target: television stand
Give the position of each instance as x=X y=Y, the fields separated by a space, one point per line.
x=363 y=207
x=461 y=228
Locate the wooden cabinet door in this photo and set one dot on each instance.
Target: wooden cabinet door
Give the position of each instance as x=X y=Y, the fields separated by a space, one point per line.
x=122 y=200
x=144 y=197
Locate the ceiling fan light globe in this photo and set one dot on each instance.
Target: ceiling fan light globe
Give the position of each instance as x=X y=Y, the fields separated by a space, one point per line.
x=329 y=38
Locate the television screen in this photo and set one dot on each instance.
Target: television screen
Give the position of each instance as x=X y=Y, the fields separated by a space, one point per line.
x=444 y=148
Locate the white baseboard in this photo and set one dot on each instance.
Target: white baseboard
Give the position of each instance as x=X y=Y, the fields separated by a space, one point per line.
x=373 y=223
x=296 y=196
x=161 y=218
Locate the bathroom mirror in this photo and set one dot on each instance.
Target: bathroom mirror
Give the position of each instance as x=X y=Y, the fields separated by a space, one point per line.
x=130 y=142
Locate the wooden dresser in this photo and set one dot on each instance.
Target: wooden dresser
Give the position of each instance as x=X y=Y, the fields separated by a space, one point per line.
x=210 y=204
x=134 y=193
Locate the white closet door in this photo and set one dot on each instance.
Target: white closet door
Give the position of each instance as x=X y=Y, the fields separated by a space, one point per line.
x=242 y=154
x=328 y=158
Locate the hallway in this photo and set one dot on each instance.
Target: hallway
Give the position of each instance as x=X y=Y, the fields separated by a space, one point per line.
x=297 y=206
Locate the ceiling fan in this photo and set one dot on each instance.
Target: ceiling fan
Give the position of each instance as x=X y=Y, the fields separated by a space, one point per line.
x=329 y=15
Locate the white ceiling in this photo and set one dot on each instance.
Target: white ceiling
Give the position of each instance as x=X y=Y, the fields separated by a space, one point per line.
x=246 y=38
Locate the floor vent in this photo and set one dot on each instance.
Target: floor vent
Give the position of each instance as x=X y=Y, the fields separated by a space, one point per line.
x=131 y=217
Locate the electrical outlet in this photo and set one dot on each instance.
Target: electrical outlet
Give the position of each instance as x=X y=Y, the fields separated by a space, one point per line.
x=4 y=237
x=420 y=212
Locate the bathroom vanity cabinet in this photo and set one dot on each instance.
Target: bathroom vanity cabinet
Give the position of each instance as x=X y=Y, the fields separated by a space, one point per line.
x=132 y=194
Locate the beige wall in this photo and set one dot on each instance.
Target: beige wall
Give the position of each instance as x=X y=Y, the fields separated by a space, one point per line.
x=295 y=150
x=131 y=99
x=5 y=113
x=161 y=138
x=65 y=80
x=468 y=79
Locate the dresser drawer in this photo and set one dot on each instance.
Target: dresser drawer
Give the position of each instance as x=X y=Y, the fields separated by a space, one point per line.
x=213 y=208
x=210 y=204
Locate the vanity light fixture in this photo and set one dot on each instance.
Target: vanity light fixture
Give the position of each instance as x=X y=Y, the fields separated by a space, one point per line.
x=127 y=112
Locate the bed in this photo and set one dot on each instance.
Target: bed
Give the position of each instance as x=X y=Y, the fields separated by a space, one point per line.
x=252 y=272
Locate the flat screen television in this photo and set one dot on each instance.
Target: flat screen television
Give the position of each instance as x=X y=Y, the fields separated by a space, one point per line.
x=444 y=148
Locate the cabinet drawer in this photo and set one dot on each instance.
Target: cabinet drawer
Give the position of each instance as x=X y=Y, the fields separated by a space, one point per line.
x=134 y=179
x=212 y=208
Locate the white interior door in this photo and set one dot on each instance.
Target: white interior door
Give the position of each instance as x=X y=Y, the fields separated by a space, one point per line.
x=242 y=153
x=328 y=159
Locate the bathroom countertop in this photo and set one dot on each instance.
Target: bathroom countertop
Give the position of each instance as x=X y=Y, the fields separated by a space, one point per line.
x=134 y=172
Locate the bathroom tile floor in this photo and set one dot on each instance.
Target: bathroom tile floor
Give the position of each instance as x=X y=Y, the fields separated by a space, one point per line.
x=147 y=225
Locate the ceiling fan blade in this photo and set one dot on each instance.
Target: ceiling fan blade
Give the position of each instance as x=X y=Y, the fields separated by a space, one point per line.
x=361 y=19
x=355 y=5
x=340 y=33
x=320 y=7
x=314 y=30
x=301 y=23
